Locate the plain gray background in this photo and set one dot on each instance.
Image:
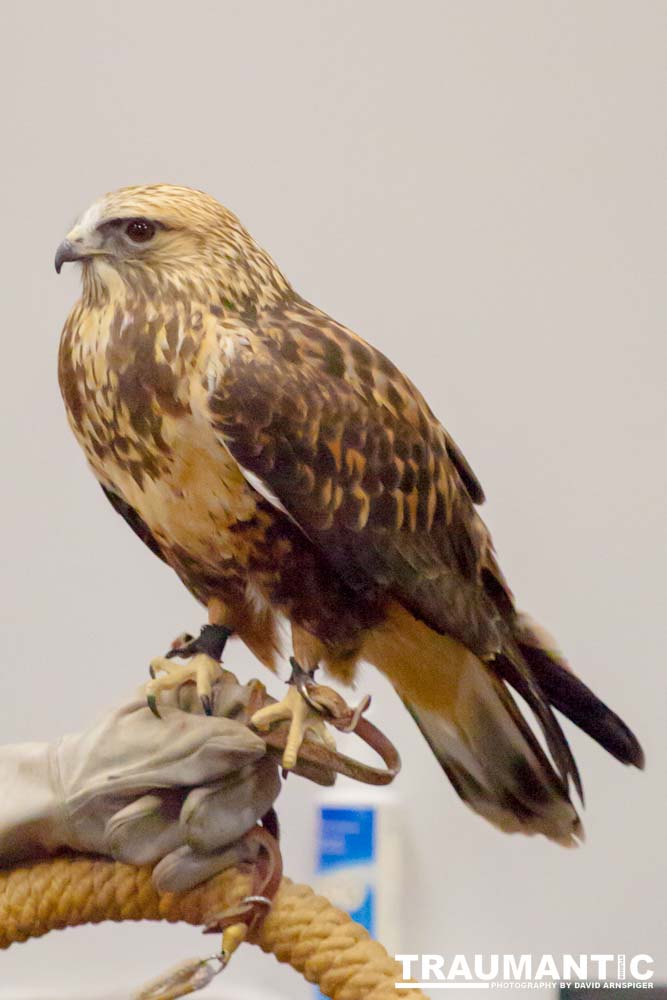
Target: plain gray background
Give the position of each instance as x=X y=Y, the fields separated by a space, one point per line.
x=479 y=189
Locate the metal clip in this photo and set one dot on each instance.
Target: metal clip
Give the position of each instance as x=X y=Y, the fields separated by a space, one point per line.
x=187 y=977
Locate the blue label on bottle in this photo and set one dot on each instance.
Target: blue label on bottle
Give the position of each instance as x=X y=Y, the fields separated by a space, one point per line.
x=346 y=836
x=346 y=862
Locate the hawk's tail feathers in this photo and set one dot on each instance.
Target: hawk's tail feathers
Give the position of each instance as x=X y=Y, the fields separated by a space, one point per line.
x=476 y=730
x=495 y=763
x=478 y=733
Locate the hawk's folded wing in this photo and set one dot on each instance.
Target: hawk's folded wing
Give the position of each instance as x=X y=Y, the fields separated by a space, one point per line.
x=327 y=429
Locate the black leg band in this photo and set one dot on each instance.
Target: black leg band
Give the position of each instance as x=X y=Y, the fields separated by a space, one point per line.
x=211 y=640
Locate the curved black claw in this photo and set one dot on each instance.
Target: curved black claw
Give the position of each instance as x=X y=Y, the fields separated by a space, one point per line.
x=302 y=681
x=151 y=701
x=211 y=640
x=206 y=704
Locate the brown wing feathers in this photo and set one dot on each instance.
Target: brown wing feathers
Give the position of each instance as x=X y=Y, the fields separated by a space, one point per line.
x=353 y=453
x=569 y=695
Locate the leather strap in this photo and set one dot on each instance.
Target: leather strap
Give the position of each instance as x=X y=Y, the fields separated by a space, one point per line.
x=316 y=761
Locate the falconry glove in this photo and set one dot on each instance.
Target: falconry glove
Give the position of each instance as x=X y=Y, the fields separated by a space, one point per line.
x=178 y=792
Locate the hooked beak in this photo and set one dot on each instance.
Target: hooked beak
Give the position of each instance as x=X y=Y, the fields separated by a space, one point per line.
x=68 y=251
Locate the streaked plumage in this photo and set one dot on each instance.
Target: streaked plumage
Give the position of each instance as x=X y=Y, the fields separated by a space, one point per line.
x=287 y=470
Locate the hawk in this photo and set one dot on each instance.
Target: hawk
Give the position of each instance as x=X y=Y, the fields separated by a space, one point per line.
x=288 y=472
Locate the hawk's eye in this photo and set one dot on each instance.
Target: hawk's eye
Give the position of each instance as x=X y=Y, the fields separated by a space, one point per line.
x=140 y=230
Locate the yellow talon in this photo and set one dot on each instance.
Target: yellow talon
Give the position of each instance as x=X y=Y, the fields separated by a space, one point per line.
x=303 y=719
x=201 y=670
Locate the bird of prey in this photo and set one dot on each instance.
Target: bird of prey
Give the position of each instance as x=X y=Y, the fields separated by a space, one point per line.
x=290 y=473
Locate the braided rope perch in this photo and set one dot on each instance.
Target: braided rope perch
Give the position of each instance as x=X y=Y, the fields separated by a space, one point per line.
x=302 y=929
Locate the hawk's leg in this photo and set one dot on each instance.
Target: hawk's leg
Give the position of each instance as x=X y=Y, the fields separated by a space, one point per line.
x=211 y=640
x=305 y=715
x=204 y=654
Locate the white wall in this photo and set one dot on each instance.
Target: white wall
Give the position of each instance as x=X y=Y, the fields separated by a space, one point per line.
x=477 y=188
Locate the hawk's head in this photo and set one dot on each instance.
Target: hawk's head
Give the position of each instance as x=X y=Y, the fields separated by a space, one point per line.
x=165 y=237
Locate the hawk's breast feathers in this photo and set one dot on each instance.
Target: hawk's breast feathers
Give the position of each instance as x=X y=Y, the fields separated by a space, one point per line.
x=190 y=417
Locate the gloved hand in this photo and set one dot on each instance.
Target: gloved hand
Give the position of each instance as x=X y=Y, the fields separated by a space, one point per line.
x=180 y=790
